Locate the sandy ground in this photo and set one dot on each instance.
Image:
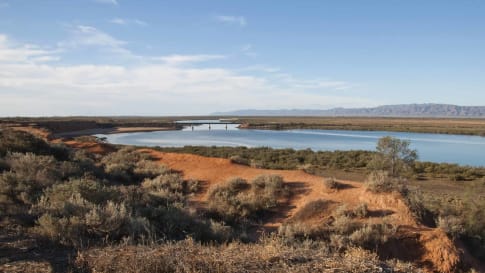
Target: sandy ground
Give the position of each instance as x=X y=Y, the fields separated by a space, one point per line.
x=435 y=249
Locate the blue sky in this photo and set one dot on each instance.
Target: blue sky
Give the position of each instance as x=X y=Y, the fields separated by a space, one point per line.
x=127 y=57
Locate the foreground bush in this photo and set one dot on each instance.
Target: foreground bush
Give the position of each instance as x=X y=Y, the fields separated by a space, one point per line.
x=270 y=255
x=239 y=201
x=130 y=166
x=381 y=181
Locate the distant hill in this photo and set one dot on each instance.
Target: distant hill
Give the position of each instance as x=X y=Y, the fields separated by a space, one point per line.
x=401 y=110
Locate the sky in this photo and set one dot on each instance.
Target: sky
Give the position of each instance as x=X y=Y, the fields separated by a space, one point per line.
x=154 y=57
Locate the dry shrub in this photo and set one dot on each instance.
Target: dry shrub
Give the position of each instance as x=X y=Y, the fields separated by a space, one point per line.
x=29 y=175
x=452 y=225
x=171 y=182
x=361 y=211
x=237 y=159
x=370 y=236
x=331 y=183
x=22 y=142
x=89 y=139
x=311 y=210
x=237 y=200
x=127 y=165
x=271 y=255
x=381 y=181
x=344 y=225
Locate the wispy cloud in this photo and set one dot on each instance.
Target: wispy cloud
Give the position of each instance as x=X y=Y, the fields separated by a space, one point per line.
x=30 y=85
x=261 y=68
x=247 y=50
x=112 y=2
x=174 y=60
x=12 y=52
x=230 y=19
x=89 y=36
x=121 y=21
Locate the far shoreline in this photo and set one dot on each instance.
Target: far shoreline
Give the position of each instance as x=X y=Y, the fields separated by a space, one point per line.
x=113 y=130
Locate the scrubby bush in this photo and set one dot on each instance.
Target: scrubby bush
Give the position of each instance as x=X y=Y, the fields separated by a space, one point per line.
x=381 y=181
x=29 y=175
x=127 y=165
x=317 y=162
x=268 y=158
x=415 y=202
x=331 y=183
x=171 y=187
x=361 y=211
x=237 y=159
x=90 y=139
x=370 y=236
x=237 y=200
x=452 y=225
x=22 y=142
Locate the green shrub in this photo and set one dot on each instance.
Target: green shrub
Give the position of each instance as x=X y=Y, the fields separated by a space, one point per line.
x=30 y=174
x=237 y=200
x=171 y=186
x=127 y=165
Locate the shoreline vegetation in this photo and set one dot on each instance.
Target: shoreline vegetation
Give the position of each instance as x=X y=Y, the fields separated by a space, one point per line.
x=456 y=126
x=78 y=126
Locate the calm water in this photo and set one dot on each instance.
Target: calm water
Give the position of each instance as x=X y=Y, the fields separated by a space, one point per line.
x=465 y=150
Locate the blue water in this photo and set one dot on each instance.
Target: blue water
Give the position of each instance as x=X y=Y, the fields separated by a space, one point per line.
x=460 y=149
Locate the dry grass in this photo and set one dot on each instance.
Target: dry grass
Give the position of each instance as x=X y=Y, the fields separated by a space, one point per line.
x=270 y=255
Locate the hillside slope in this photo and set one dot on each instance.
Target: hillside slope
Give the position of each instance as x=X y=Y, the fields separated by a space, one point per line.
x=401 y=110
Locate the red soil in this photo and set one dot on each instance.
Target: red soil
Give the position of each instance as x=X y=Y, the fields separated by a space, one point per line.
x=436 y=251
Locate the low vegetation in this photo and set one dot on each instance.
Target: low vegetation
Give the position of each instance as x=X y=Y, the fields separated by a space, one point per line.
x=270 y=255
x=96 y=207
x=321 y=162
x=239 y=202
x=389 y=124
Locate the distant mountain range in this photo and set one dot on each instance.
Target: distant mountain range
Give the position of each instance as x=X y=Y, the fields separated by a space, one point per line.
x=401 y=110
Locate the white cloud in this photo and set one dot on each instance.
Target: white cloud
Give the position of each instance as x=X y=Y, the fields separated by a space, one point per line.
x=112 y=2
x=247 y=50
x=11 y=52
x=121 y=21
x=262 y=68
x=35 y=88
x=174 y=60
x=91 y=36
x=140 y=22
x=118 y=21
x=88 y=36
x=230 y=19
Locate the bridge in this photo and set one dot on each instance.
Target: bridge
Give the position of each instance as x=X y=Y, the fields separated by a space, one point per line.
x=202 y=123
x=209 y=123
